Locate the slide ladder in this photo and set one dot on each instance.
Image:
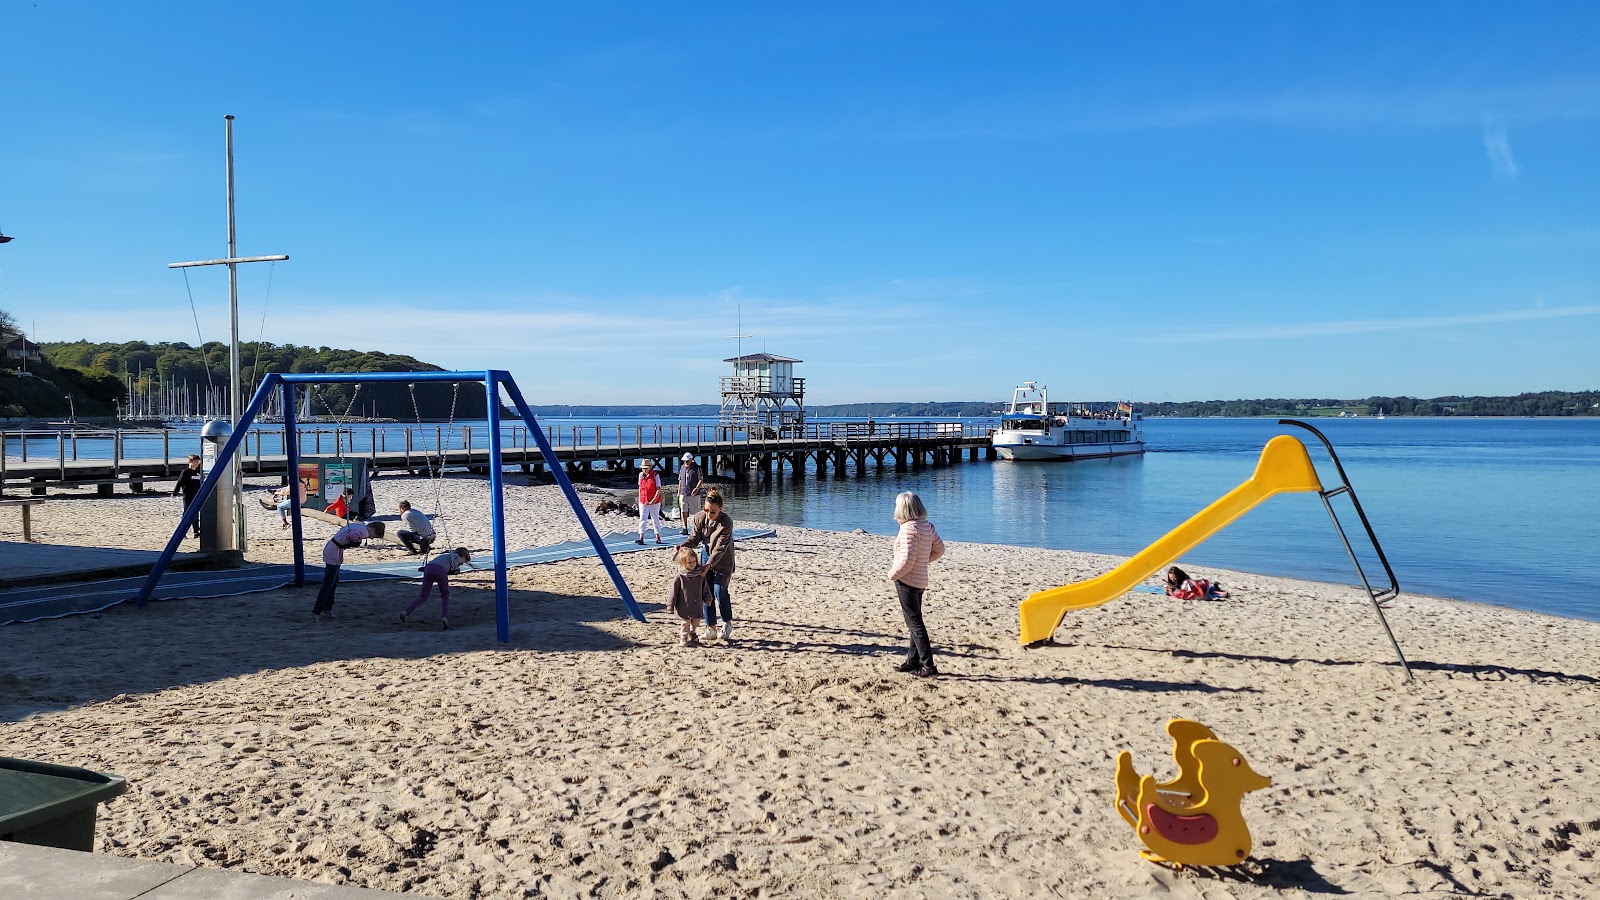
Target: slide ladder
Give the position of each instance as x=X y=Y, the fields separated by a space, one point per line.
x=1284 y=467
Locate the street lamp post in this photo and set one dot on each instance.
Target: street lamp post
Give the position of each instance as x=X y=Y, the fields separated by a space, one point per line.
x=72 y=409
x=235 y=398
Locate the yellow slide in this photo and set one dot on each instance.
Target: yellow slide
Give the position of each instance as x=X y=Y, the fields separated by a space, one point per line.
x=1284 y=467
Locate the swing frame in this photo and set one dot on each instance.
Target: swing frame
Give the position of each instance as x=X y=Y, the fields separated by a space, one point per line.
x=493 y=380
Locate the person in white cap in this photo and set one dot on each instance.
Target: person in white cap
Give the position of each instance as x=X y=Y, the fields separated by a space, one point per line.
x=649 y=500
x=689 y=484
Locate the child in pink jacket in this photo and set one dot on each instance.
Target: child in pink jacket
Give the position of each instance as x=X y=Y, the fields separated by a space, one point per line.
x=917 y=545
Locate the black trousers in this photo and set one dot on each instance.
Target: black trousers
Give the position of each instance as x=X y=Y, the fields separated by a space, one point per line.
x=414 y=542
x=330 y=583
x=921 y=652
x=188 y=501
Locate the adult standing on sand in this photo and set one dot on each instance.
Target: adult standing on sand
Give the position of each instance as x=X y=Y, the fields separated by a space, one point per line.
x=714 y=528
x=189 y=486
x=649 y=500
x=915 y=546
x=333 y=557
x=690 y=481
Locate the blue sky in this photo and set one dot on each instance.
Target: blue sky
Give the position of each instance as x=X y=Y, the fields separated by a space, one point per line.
x=924 y=202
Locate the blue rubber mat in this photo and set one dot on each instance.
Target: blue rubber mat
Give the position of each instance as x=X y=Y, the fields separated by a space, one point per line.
x=57 y=601
x=617 y=542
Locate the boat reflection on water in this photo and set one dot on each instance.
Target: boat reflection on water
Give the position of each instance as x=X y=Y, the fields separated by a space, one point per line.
x=1094 y=500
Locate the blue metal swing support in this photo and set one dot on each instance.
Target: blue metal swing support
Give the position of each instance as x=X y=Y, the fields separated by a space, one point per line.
x=493 y=380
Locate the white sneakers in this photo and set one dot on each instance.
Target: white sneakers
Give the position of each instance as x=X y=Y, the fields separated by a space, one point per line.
x=727 y=631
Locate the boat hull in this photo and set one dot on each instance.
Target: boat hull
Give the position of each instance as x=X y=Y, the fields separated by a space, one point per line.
x=1067 y=452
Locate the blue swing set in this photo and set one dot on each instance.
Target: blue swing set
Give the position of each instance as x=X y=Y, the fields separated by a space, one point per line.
x=493 y=380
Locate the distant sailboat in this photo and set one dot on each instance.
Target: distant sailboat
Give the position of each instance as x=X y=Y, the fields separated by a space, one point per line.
x=1380 y=413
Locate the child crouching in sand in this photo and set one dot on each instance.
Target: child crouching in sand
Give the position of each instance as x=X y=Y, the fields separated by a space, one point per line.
x=438 y=571
x=691 y=594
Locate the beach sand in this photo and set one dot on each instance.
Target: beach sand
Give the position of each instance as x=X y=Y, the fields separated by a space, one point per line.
x=594 y=757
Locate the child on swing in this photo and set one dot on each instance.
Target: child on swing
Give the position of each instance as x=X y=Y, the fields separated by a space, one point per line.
x=690 y=595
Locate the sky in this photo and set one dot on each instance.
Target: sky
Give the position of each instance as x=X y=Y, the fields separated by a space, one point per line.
x=928 y=201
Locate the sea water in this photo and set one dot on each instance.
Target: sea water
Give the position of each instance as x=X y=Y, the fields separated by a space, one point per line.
x=1491 y=510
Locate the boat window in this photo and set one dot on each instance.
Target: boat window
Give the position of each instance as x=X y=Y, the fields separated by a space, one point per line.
x=1021 y=425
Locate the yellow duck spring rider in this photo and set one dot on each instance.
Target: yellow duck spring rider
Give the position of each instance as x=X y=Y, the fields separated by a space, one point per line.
x=1193 y=820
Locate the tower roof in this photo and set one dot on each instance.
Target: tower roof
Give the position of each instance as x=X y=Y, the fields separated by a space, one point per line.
x=763 y=357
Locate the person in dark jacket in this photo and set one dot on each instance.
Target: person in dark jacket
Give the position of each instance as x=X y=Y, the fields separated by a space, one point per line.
x=689 y=483
x=189 y=486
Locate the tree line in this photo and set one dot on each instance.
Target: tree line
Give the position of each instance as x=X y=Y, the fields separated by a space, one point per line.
x=1540 y=403
x=103 y=377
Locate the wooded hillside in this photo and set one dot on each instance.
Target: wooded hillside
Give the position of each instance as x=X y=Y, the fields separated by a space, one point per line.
x=100 y=375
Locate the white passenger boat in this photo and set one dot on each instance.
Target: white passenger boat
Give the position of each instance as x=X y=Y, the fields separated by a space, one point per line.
x=1034 y=428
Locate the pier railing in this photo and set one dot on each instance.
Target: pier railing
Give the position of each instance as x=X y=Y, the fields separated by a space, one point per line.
x=87 y=454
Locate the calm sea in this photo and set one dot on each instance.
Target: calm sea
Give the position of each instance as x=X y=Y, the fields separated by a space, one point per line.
x=1492 y=510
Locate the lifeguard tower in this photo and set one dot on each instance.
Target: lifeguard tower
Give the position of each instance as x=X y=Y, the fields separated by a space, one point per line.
x=762 y=397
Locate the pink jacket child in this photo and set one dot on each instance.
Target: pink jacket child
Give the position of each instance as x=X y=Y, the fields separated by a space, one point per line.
x=438 y=571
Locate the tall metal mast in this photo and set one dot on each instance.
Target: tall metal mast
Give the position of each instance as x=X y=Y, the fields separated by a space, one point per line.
x=235 y=397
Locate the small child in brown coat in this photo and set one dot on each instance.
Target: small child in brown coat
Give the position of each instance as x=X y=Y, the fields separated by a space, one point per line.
x=691 y=592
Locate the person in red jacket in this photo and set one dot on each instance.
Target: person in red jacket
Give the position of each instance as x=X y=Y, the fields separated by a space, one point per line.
x=649 y=500
x=341 y=506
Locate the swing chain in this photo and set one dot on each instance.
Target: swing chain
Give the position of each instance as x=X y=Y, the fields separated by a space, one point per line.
x=436 y=473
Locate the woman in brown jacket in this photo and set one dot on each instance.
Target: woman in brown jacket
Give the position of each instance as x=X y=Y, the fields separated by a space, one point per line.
x=714 y=528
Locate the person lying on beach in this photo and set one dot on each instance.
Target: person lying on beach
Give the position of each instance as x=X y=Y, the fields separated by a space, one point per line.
x=333 y=557
x=416 y=532
x=438 y=571
x=1180 y=585
x=690 y=595
x=714 y=528
x=915 y=546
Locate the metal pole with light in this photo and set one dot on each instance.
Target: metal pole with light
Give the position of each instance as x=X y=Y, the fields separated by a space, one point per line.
x=235 y=400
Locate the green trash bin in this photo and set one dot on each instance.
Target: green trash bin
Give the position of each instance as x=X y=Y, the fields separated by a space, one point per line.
x=53 y=806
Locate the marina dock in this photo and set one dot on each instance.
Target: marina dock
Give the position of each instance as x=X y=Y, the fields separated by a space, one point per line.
x=34 y=462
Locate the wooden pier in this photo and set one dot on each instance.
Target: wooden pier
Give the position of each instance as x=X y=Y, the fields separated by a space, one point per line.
x=52 y=459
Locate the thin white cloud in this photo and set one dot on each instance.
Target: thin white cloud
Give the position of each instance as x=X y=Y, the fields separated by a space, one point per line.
x=1364 y=326
x=1044 y=117
x=1498 y=149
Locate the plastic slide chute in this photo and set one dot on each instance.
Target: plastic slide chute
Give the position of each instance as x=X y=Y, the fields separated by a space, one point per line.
x=1285 y=467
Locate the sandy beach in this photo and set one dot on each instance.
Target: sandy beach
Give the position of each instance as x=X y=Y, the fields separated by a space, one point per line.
x=595 y=757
